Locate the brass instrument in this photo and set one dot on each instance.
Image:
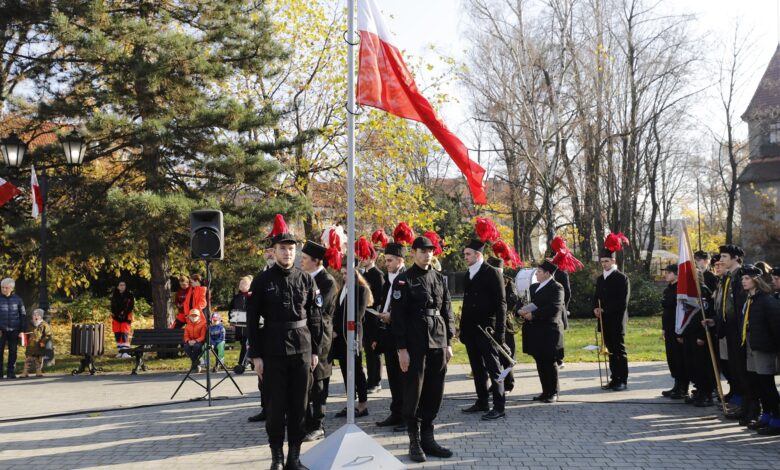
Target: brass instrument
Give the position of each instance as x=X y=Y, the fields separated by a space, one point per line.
x=603 y=352
x=500 y=347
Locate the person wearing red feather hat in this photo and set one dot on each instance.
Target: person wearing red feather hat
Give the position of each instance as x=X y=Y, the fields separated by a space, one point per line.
x=610 y=303
x=566 y=263
x=366 y=255
x=286 y=349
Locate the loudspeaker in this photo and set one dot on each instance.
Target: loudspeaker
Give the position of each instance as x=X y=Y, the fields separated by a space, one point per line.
x=207 y=234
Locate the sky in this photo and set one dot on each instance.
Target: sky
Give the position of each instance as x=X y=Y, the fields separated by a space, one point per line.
x=420 y=24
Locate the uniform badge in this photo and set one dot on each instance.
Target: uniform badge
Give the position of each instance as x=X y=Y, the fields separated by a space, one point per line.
x=396 y=294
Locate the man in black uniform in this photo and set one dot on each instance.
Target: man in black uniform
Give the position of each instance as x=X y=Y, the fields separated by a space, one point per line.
x=513 y=304
x=543 y=329
x=376 y=281
x=312 y=261
x=270 y=259
x=484 y=305
x=423 y=328
x=703 y=265
x=287 y=348
x=394 y=262
x=675 y=351
x=610 y=302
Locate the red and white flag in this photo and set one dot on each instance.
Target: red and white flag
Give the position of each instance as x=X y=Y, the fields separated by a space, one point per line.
x=23 y=339
x=37 y=198
x=384 y=82
x=7 y=191
x=688 y=293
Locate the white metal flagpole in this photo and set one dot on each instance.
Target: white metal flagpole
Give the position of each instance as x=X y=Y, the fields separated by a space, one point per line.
x=351 y=212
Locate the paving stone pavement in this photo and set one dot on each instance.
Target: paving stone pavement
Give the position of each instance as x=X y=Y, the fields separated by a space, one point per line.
x=587 y=429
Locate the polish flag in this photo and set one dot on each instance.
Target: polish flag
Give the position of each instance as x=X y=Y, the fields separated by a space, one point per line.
x=688 y=294
x=7 y=191
x=384 y=82
x=37 y=200
x=23 y=339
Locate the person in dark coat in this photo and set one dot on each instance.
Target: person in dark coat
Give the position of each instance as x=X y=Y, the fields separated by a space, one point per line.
x=313 y=262
x=376 y=281
x=423 y=328
x=698 y=362
x=238 y=304
x=339 y=349
x=287 y=349
x=484 y=306
x=702 y=259
x=394 y=262
x=513 y=304
x=610 y=301
x=122 y=305
x=760 y=336
x=543 y=329
x=674 y=344
x=13 y=320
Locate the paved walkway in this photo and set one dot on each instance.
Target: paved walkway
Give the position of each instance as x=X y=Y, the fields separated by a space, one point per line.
x=588 y=428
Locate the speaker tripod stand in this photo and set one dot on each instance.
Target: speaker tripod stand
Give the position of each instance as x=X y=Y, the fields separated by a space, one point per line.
x=208 y=350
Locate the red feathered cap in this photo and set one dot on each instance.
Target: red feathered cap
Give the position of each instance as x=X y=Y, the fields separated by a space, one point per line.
x=280 y=226
x=563 y=257
x=507 y=253
x=380 y=238
x=486 y=230
x=333 y=253
x=363 y=250
x=403 y=234
x=436 y=240
x=615 y=242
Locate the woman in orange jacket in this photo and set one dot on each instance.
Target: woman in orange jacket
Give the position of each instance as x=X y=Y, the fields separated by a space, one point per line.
x=196 y=297
x=195 y=336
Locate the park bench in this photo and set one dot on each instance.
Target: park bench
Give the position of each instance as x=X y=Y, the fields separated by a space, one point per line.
x=161 y=340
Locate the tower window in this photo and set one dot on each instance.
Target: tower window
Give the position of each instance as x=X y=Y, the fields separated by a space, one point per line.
x=774 y=133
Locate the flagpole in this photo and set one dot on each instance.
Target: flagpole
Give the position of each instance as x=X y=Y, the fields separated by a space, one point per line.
x=710 y=344
x=350 y=385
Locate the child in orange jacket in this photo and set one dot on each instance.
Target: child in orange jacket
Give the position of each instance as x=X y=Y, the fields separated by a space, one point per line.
x=194 y=337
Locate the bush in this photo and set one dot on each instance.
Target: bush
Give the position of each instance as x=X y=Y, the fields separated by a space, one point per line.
x=645 y=297
x=88 y=309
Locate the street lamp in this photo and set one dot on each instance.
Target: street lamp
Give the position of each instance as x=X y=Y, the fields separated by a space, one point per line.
x=75 y=148
x=13 y=150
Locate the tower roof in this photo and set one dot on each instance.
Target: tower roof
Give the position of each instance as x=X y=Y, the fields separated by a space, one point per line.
x=766 y=99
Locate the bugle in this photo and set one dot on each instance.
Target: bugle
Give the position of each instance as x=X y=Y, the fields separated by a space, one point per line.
x=499 y=347
x=603 y=352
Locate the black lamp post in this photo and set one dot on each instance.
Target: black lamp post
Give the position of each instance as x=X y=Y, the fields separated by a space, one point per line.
x=14 y=149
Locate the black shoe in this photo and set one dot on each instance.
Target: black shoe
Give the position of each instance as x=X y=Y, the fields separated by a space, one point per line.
x=678 y=395
x=609 y=385
x=550 y=398
x=416 y=452
x=257 y=418
x=735 y=413
x=277 y=458
x=539 y=397
x=431 y=447
x=671 y=391
x=360 y=414
x=400 y=427
x=315 y=435
x=294 y=458
x=373 y=390
x=702 y=402
x=746 y=420
x=391 y=420
x=757 y=424
x=769 y=431
x=619 y=387
x=493 y=415
x=476 y=408
x=341 y=414
x=691 y=399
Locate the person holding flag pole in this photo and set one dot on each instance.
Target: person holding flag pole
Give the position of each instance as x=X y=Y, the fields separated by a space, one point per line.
x=689 y=303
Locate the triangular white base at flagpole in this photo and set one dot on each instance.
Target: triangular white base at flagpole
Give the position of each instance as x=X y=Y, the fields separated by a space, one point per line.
x=350 y=448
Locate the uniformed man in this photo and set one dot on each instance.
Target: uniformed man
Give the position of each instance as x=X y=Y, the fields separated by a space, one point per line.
x=484 y=306
x=698 y=362
x=376 y=281
x=287 y=348
x=423 y=328
x=702 y=259
x=543 y=329
x=675 y=351
x=270 y=259
x=394 y=262
x=513 y=304
x=312 y=261
x=610 y=302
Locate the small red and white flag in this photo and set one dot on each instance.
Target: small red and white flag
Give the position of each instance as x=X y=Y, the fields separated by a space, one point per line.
x=688 y=293
x=37 y=197
x=7 y=192
x=384 y=82
x=23 y=339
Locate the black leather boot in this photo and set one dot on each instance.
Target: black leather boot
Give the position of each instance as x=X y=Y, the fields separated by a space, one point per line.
x=277 y=458
x=294 y=458
x=429 y=444
x=415 y=450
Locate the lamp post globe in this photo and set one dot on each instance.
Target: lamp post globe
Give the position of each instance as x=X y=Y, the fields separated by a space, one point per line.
x=13 y=150
x=75 y=147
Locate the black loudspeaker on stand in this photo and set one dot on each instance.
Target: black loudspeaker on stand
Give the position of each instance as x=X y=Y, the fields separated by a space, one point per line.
x=207 y=243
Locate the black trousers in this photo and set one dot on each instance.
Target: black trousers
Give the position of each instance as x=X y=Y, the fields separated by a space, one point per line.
x=11 y=338
x=360 y=377
x=615 y=341
x=675 y=357
x=547 y=367
x=286 y=384
x=766 y=390
x=373 y=367
x=395 y=380
x=424 y=386
x=318 y=397
x=486 y=367
x=740 y=383
x=698 y=365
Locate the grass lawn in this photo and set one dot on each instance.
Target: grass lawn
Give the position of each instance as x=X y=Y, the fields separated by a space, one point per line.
x=643 y=341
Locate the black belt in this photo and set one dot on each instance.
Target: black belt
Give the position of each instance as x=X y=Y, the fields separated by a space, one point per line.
x=287 y=325
x=430 y=312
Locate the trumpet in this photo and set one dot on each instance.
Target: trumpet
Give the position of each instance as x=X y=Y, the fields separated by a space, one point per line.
x=603 y=352
x=500 y=347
